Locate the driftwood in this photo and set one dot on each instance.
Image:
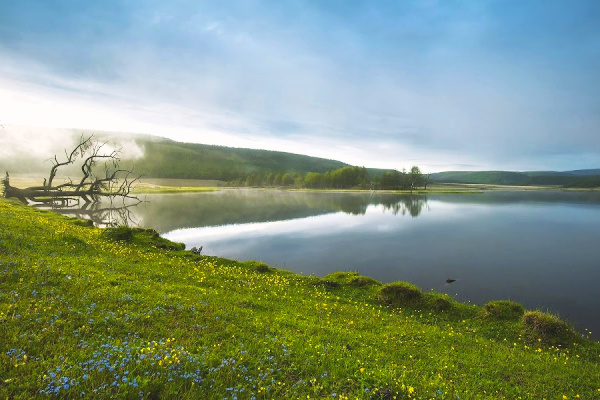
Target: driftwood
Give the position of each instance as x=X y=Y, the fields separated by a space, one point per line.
x=91 y=187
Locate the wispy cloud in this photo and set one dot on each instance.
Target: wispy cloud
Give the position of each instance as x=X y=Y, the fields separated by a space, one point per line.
x=493 y=84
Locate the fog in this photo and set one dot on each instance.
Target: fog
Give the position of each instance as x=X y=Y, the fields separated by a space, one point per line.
x=28 y=150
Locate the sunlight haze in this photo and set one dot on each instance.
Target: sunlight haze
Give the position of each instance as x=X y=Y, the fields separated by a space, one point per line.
x=443 y=85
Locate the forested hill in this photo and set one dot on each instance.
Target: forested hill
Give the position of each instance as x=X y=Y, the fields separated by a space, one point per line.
x=164 y=158
x=577 y=178
x=156 y=157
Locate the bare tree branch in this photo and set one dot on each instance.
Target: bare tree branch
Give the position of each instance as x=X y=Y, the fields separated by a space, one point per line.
x=90 y=188
x=79 y=150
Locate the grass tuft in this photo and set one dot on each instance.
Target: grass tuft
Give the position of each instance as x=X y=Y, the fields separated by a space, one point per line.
x=439 y=302
x=83 y=222
x=503 y=309
x=326 y=283
x=140 y=236
x=360 y=281
x=119 y=234
x=342 y=275
x=547 y=328
x=351 y=278
x=400 y=293
x=257 y=266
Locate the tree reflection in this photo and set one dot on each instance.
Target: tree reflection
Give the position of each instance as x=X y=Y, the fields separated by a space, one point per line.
x=101 y=215
x=176 y=211
x=413 y=205
x=169 y=212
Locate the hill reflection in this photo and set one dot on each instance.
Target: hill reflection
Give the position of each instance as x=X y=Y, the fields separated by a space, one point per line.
x=176 y=211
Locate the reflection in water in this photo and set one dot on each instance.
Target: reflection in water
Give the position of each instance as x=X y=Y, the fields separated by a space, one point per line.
x=168 y=212
x=537 y=248
x=102 y=214
x=240 y=206
x=175 y=211
x=411 y=204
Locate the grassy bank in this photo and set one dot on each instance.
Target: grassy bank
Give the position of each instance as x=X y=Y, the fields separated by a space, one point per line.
x=123 y=313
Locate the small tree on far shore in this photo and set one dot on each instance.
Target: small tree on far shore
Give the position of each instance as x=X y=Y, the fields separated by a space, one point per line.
x=415 y=178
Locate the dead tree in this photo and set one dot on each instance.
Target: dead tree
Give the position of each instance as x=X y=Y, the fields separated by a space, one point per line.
x=112 y=183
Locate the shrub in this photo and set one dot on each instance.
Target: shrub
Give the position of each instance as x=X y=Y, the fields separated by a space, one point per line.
x=351 y=278
x=147 y=237
x=165 y=244
x=363 y=281
x=257 y=266
x=151 y=232
x=439 y=302
x=504 y=309
x=118 y=234
x=548 y=328
x=327 y=283
x=261 y=267
x=397 y=293
x=342 y=275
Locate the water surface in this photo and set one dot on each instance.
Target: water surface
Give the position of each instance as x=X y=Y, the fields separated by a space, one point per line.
x=538 y=248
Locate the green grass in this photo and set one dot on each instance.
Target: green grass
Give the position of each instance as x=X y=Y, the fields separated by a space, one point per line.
x=125 y=314
x=503 y=309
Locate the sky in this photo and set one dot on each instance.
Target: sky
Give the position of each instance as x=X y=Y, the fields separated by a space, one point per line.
x=445 y=85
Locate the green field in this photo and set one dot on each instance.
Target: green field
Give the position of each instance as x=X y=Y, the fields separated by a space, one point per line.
x=123 y=313
x=568 y=179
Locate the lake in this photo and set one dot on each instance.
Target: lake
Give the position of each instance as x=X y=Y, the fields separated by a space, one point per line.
x=539 y=248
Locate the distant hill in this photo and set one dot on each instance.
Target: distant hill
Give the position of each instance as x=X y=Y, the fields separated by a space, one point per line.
x=482 y=177
x=577 y=178
x=584 y=172
x=592 y=181
x=164 y=158
x=156 y=157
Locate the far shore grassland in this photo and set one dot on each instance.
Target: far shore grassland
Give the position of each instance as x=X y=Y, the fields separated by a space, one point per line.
x=124 y=313
x=190 y=185
x=167 y=185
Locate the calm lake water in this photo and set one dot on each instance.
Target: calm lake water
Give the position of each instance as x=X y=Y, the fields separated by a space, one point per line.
x=541 y=249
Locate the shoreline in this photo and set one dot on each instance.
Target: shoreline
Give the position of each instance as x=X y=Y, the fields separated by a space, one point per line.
x=167 y=318
x=164 y=185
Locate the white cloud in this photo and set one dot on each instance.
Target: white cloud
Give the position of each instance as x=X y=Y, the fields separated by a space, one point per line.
x=300 y=79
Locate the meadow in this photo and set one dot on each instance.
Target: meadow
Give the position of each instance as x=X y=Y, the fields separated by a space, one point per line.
x=124 y=313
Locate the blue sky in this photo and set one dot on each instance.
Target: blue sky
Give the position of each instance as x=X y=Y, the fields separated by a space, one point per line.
x=442 y=84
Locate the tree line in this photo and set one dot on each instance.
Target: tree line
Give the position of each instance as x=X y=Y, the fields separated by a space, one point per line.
x=341 y=178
